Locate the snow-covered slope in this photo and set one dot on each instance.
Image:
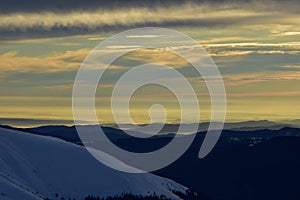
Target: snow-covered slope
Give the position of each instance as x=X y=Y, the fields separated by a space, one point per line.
x=36 y=167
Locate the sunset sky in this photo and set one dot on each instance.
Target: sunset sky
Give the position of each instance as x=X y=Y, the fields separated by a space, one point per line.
x=255 y=44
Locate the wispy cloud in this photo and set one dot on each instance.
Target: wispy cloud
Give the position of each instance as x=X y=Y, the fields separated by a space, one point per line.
x=201 y=14
x=233 y=80
x=265 y=94
x=144 y=36
x=242 y=48
x=67 y=61
x=244 y=79
x=292 y=67
x=68 y=44
x=96 y=38
x=289 y=33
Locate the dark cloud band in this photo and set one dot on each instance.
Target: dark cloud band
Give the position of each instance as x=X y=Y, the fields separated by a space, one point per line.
x=61 y=18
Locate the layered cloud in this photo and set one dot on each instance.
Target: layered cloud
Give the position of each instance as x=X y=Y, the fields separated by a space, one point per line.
x=187 y=14
x=255 y=44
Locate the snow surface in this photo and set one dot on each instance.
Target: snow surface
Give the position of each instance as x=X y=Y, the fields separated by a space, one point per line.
x=36 y=167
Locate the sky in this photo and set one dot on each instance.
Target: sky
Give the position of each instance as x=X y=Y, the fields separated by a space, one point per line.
x=255 y=44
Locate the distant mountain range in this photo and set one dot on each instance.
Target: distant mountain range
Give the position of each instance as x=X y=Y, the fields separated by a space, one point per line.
x=241 y=126
x=69 y=133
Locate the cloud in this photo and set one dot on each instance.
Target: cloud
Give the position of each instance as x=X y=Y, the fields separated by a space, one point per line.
x=117 y=47
x=67 y=61
x=265 y=94
x=63 y=6
x=244 y=79
x=291 y=67
x=68 y=44
x=203 y=14
x=60 y=87
x=289 y=33
x=12 y=62
x=246 y=48
x=144 y=36
x=96 y=38
x=158 y=56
